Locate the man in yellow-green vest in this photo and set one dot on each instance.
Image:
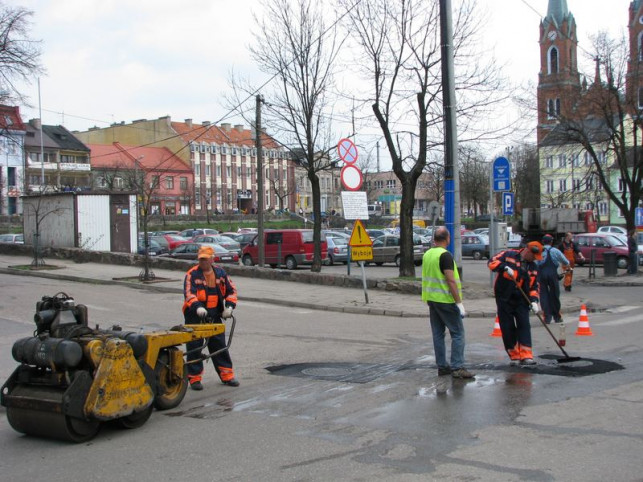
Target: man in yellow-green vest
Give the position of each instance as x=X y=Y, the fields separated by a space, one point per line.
x=442 y=290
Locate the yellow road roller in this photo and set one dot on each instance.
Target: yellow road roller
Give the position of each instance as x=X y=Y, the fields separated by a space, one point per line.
x=72 y=378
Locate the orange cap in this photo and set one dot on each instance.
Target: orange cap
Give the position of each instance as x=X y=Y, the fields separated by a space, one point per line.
x=205 y=252
x=536 y=248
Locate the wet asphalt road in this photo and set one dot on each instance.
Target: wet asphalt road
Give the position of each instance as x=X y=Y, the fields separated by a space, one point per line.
x=335 y=396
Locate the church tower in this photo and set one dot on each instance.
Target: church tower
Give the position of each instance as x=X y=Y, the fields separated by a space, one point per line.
x=558 y=81
x=634 y=86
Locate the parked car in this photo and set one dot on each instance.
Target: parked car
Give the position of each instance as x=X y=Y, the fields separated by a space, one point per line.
x=386 y=249
x=291 y=247
x=194 y=232
x=190 y=250
x=244 y=239
x=337 y=249
x=375 y=233
x=163 y=233
x=484 y=231
x=612 y=230
x=154 y=248
x=639 y=241
x=228 y=243
x=12 y=238
x=600 y=243
x=170 y=241
x=475 y=245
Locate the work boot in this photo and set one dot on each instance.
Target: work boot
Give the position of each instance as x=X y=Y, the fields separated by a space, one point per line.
x=528 y=362
x=559 y=320
x=196 y=386
x=233 y=382
x=514 y=363
x=462 y=373
x=444 y=371
x=568 y=288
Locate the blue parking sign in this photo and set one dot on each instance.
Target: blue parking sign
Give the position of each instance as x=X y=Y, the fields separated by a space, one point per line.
x=507 y=203
x=638 y=216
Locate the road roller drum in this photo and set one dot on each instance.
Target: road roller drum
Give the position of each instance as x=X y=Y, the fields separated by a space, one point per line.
x=72 y=378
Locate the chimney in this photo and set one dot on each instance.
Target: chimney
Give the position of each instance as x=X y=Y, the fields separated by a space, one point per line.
x=189 y=123
x=35 y=123
x=226 y=127
x=239 y=127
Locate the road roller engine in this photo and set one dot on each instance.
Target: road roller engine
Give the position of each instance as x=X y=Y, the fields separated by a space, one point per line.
x=72 y=378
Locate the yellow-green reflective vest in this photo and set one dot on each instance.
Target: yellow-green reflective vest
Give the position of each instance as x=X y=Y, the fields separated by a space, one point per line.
x=434 y=283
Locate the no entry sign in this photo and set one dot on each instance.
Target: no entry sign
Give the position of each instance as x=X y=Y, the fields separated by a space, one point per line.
x=351 y=178
x=347 y=151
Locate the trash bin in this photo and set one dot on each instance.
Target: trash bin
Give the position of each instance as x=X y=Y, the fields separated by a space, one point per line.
x=609 y=263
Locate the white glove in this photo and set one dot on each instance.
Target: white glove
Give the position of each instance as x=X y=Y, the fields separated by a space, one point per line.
x=509 y=271
x=534 y=307
x=201 y=312
x=460 y=306
x=227 y=312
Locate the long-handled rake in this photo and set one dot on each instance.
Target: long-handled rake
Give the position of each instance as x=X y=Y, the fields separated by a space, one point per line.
x=567 y=358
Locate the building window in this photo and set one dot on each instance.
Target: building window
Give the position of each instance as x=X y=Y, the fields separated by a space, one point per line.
x=552 y=61
x=640 y=46
x=183 y=183
x=101 y=182
x=390 y=183
x=192 y=155
x=588 y=159
x=589 y=183
x=640 y=98
x=549 y=161
x=576 y=160
x=169 y=182
x=602 y=208
x=621 y=185
x=550 y=186
x=228 y=172
x=207 y=170
x=156 y=182
x=576 y=184
x=561 y=160
x=239 y=173
x=197 y=169
x=562 y=184
x=219 y=171
x=118 y=183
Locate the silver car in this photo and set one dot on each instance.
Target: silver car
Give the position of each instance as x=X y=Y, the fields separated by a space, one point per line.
x=386 y=249
x=228 y=243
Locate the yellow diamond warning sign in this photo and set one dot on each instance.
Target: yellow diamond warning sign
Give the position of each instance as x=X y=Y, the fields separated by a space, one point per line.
x=359 y=236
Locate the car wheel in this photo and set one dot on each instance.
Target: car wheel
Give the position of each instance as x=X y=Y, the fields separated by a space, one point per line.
x=622 y=262
x=291 y=263
x=477 y=255
x=379 y=264
x=247 y=260
x=397 y=261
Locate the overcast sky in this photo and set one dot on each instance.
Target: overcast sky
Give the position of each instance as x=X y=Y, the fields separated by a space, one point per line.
x=119 y=60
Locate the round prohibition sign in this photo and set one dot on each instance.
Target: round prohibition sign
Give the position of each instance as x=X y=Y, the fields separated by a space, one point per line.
x=347 y=151
x=351 y=178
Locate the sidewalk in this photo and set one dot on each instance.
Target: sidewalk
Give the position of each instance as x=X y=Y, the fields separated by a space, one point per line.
x=478 y=299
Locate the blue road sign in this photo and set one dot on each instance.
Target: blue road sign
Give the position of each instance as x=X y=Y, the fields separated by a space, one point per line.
x=501 y=175
x=638 y=215
x=507 y=203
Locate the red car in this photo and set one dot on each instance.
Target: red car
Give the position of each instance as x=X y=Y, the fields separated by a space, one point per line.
x=174 y=240
x=600 y=243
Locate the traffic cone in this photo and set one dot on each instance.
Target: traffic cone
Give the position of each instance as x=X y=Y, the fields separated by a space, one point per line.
x=496 y=329
x=583 y=323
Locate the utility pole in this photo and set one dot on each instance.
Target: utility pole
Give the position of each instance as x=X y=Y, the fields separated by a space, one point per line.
x=260 y=189
x=451 y=176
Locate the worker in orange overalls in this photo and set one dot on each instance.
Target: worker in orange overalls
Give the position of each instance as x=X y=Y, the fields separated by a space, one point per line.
x=569 y=248
x=517 y=271
x=209 y=295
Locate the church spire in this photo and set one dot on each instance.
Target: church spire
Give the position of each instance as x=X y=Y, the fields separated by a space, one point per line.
x=557 y=11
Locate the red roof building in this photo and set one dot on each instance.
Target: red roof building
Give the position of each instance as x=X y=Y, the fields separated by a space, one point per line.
x=154 y=173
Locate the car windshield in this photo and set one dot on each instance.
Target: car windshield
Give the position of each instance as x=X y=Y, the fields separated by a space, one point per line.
x=615 y=241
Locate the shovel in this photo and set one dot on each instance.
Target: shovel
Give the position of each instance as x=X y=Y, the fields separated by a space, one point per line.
x=567 y=358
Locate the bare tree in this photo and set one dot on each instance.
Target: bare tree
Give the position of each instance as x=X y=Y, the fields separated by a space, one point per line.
x=474 y=179
x=400 y=52
x=36 y=211
x=19 y=55
x=297 y=46
x=607 y=125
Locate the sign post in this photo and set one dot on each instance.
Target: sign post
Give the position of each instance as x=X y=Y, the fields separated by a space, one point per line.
x=499 y=181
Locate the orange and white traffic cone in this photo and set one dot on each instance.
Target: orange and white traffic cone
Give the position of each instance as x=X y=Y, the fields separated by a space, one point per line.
x=496 y=329
x=583 y=323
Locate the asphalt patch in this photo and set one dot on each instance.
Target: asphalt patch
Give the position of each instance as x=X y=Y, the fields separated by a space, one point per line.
x=365 y=372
